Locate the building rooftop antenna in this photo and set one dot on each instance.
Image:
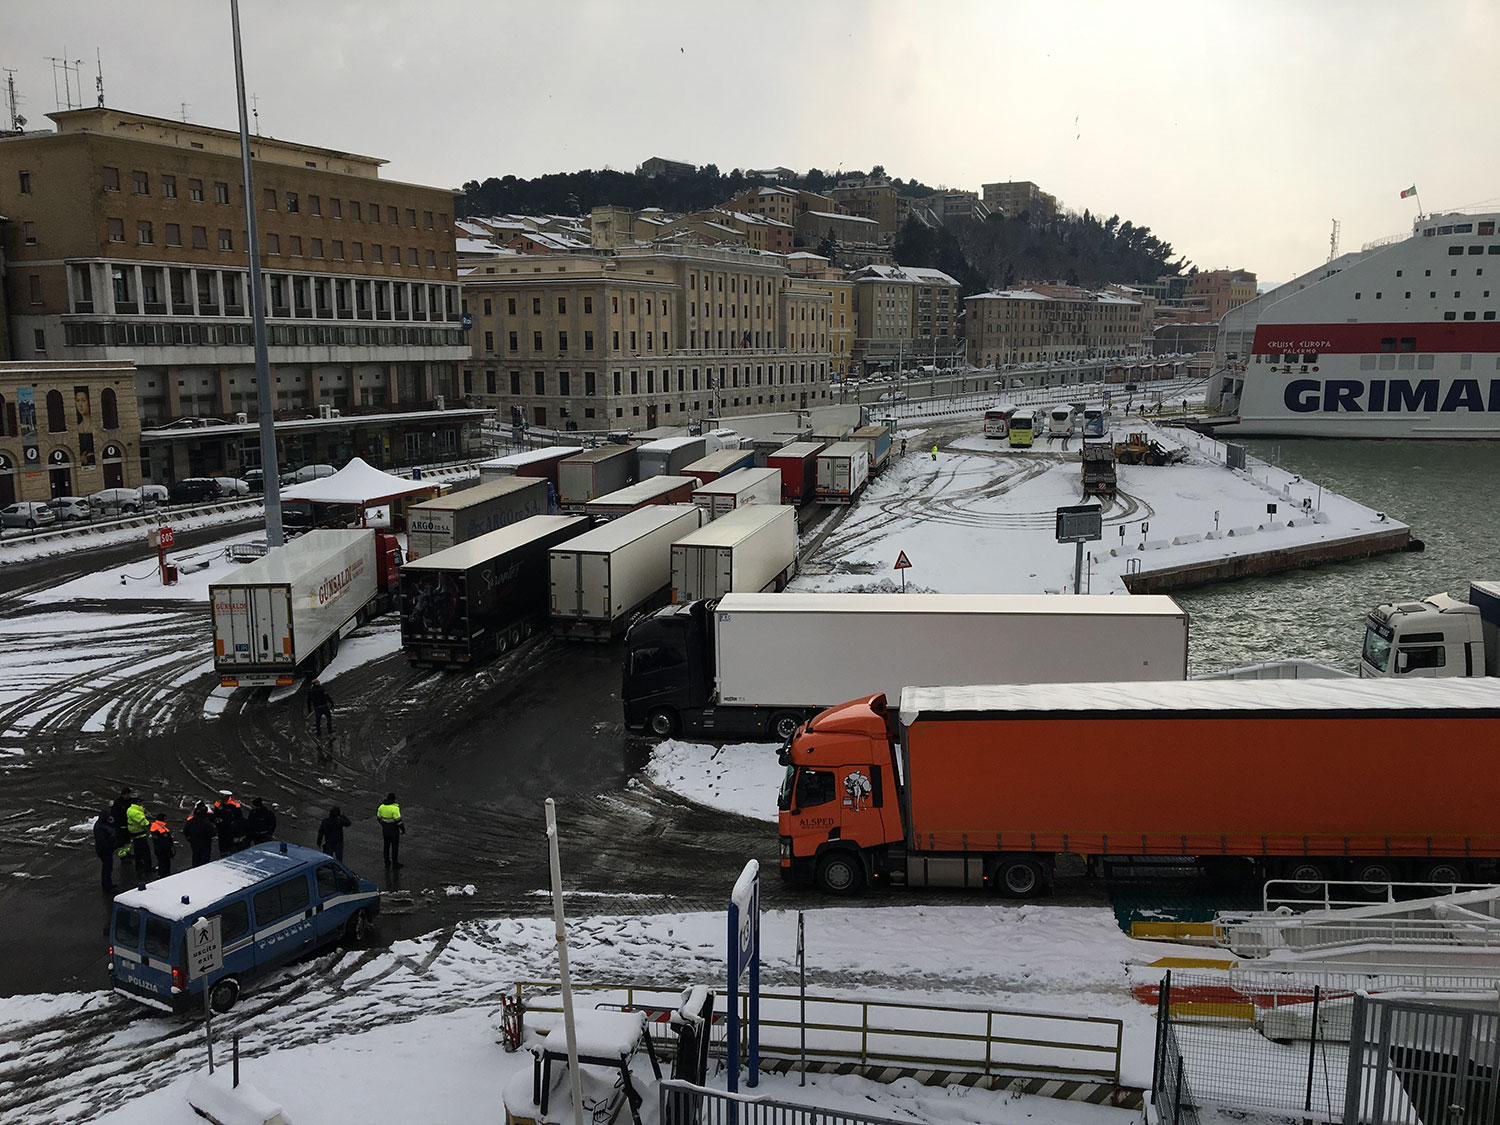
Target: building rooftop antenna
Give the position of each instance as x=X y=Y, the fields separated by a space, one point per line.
x=17 y=122
x=255 y=111
x=184 y=106
x=99 y=81
x=70 y=81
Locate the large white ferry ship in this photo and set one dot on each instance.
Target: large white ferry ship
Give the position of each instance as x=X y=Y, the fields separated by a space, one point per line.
x=1398 y=340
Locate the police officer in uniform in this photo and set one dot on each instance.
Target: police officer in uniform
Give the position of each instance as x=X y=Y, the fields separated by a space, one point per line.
x=391 y=830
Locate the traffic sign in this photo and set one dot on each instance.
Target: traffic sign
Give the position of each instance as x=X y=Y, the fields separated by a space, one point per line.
x=902 y=562
x=165 y=537
x=205 y=949
x=1080 y=523
x=467 y=321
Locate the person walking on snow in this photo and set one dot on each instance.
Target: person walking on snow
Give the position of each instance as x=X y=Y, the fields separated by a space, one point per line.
x=200 y=834
x=138 y=824
x=934 y=452
x=104 y=848
x=391 y=830
x=331 y=833
x=163 y=847
x=261 y=822
x=903 y=447
x=321 y=704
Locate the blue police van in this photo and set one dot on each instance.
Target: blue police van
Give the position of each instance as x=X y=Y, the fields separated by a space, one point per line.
x=275 y=902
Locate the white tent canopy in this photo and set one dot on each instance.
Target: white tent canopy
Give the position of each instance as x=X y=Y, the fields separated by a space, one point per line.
x=357 y=483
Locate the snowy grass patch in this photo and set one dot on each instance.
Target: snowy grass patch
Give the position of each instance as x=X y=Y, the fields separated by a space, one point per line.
x=740 y=778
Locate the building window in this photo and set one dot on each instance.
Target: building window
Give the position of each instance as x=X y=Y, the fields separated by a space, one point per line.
x=562 y=341
x=391 y=217
x=143 y=232
x=354 y=212
x=174 y=235
x=536 y=341
x=588 y=341
x=109 y=406
x=358 y=250
x=294 y=243
x=489 y=341
x=140 y=183
x=377 y=253
x=195 y=190
x=57 y=418
x=221 y=192
x=514 y=344
x=431 y=259
x=314 y=205
x=25 y=183
x=411 y=255
x=316 y=245
x=200 y=238
x=536 y=306
x=111 y=178
x=291 y=203
x=515 y=382
x=427 y=219
x=338 y=250
x=28 y=232
x=226 y=240
x=486 y=306
x=273 y=244
x=169 y=187
x=540 y=380
x=411 y=217
x=268 y=199
x=447 y=260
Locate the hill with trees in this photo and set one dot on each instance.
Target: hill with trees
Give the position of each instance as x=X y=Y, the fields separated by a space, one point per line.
x=998 y=252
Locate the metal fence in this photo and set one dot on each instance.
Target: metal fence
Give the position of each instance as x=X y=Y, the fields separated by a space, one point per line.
x=685 y=1104
x=1421 y=1064
x=1320 y=1052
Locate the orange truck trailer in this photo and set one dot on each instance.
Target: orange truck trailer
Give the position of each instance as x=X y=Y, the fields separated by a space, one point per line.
x=1306 y=779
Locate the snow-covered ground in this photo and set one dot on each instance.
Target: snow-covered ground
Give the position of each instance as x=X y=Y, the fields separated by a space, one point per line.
x=981 y=518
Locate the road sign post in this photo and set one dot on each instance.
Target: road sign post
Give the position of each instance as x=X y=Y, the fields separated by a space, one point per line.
x=205 y=957
x=1079 y=524
x=744 y=956
x=903 y=564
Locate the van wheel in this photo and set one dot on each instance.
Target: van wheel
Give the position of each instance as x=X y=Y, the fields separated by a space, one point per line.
x=1018 y=878
x=662 y=723
x=357 y=929
x=840 y=874
x=223 y=994
x=784 y=724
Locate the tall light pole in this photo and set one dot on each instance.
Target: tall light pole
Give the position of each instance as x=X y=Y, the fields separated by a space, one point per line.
x=265 y=403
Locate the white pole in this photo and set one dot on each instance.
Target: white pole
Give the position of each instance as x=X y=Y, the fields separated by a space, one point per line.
x=562 y=963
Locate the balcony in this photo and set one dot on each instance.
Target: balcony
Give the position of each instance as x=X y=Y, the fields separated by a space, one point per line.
x=208 y=310
x=155 y=308
x=346 y=314
x=126 y=307
x=365 y=314
x=304 y=311
x=83 y=306
x=234 y=310
x=280 y=310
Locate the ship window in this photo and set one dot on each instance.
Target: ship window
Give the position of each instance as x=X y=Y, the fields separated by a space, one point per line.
x=1408 y=343
x=1490 y=315
x=1486 y=228
x=1377 y=296
x=1495 y=249
x=1450 y=316
x=1310 y=357
x=1367 y=363
x=1426 y=273
x=1476 y=249
x=1425 y=362
x=1388 y=344
x=1447 y=230
x=1468 y=316
x=1408 y=294
x=1387 y=363
x=1398 y=273
x=1464 y=228
x=1455 y=251
x=1466 y=362
x=1356 y=296
x=1405 y=362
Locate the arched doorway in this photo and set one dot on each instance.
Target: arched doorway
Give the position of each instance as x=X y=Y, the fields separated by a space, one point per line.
x=114 y=467
x=7 y=481
x=59 y=473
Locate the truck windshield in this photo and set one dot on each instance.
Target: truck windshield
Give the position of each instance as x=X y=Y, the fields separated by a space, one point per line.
x=1377 y=652
x=784 y=798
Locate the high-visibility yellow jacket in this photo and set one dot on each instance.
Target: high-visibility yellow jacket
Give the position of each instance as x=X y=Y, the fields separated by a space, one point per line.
x=137 y=821
x=388 y=814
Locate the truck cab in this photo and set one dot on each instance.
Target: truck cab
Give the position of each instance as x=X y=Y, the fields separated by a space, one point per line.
x=668 y=668
x=1439 y=636
x=839 y=805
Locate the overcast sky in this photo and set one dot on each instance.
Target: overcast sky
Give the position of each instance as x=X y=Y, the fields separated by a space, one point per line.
x=1235 y=131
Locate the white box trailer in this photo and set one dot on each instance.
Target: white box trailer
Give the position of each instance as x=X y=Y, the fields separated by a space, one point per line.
x=435 y=525
x=283 y=615
x=601 y=579
x=657 y=490
x=843 y=472
x=759 y=664
x=591 y=473
x=738 y=489
x=667 y=456
x=541 y=462
x=749 y=549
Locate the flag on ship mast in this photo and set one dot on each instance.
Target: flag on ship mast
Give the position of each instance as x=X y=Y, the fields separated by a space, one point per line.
x=1409 y=191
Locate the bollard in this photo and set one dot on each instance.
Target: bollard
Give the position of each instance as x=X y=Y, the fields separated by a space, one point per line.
x=236 y=1061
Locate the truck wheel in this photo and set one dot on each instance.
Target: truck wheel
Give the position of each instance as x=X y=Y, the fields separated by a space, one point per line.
x=784 y=724
x=1018 y=878
x=1307 y=876
x=662 y=723
x=1446 y=871
x=223 y=994
x=502 y=642
x=1373 y=875
x=839 y=873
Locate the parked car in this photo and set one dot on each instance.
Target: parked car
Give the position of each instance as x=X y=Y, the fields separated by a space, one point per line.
x=153 y=494
x=306 y=473
x=893 y=396
x=195 y=490
x=255 y=480
x=116 y=500
x=70 y=508
x=233 y=487
x=30 y=514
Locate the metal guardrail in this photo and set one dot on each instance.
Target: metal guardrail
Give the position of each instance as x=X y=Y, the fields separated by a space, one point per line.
x=682 y=1103
x=1360 y=894
x=892 y=1033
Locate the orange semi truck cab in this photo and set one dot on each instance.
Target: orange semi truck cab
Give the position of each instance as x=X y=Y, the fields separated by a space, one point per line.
x=984 y=786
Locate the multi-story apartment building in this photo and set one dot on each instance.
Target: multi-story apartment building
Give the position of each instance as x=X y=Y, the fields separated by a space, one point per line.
x=1222 y=290
x=645 y=336
x=782 y=205
x=876 y=200
x=1049 y=322
x=67 y=429
x=905 y=314
x=816 y=271
x=663 y=166
x=1013 y=197
x=856 y=241
x=127 y=243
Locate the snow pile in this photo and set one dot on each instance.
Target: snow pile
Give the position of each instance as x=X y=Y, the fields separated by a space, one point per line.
x=739 y=778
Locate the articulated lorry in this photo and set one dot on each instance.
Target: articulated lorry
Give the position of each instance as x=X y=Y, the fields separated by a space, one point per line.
x=757 y=665
x=719 y=463
x=1305 y=780
x=482 y=597
x=604 y=577
x=541 y=462
x=738 y=489
x=596 y=472
x=877 y=440
x=667 y=456
x=283 y=615
x=843 y=472
x=798 y=465
x=1436 y=637
x=750 y=549
x=436 y=525
x=657 y=490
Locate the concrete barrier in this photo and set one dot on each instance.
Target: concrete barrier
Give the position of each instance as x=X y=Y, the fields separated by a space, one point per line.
x=1237 y=532
x=1183 y=540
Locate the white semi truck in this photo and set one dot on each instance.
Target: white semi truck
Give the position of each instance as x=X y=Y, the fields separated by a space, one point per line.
x=754 y=665
x=436 y=525
x=750 y=549
x=1435 y=637
x=283 y=615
